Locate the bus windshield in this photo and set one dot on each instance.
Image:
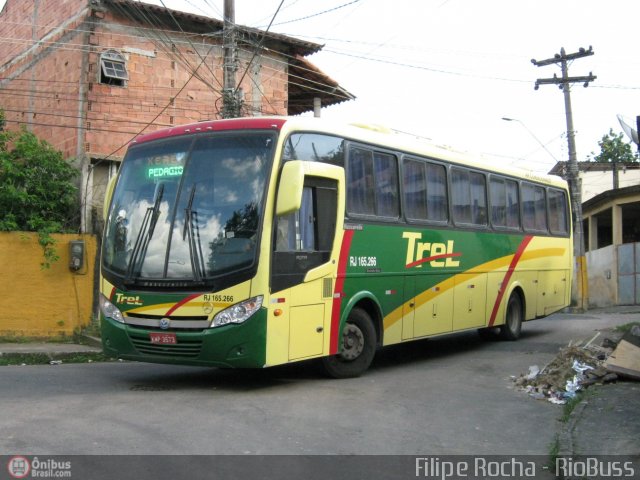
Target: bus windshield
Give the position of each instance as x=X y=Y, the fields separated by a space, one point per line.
x=187 y=209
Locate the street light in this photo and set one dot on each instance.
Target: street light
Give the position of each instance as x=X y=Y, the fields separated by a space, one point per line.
x=507 y=119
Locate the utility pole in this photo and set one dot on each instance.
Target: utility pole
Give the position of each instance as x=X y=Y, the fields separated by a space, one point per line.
x=564 y=83
x=230 y=104
x=638 y=131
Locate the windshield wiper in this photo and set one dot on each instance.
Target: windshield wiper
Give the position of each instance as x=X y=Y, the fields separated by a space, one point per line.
x=141 y=245
x=195 y=246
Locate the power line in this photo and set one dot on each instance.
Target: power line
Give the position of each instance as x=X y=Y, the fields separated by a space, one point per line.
x=183 y=105
x=76 y=127
x=429 y=69
x=259 y=45
x=318 y=14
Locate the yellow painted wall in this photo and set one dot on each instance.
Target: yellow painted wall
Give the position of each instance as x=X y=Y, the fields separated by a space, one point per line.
x=43 y=303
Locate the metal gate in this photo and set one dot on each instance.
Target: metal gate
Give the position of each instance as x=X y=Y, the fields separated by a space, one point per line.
x=629 y=274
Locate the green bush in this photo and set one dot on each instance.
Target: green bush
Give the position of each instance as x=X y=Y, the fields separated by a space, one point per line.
x=37 y=190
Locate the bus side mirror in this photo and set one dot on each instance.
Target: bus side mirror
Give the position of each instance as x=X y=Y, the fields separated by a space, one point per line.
x=107 y=197
x=290 y=189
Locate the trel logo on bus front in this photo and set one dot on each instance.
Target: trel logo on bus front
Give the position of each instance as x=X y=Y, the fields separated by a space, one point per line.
x=437 y=255
x=128 y=299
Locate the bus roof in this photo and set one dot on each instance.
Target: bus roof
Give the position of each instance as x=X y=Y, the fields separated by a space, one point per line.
x=372 y=134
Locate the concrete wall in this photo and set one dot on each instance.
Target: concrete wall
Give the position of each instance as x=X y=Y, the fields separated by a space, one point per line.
x=41 y=303
x=603 y=277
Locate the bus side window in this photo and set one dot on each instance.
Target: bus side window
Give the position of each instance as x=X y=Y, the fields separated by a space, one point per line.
x=534 y=209
x=372 y=184
x=386 y=181
x=425 y=191
x=360 y=191
x=478 y=198
x=415 y=190
x=557 y=212
x=505 y=205
x=513 y=204
x=437 y=206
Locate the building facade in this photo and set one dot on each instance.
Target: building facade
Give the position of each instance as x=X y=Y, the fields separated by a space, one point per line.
x=89 y=75
x=598 y=177
x=611 y=226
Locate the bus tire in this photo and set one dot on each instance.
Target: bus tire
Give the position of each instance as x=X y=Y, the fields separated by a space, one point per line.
x=513 y=319
x=358 y=347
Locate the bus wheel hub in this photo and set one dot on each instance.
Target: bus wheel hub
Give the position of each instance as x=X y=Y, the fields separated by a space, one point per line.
x=353 y=342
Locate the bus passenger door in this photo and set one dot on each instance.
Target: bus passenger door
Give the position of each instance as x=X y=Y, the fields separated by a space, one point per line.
x=302 y=265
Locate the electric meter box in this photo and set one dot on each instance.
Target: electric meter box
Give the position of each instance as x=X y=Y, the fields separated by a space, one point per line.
x=76 y=254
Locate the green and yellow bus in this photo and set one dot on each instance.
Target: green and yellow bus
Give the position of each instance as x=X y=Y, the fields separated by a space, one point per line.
x=260 y=241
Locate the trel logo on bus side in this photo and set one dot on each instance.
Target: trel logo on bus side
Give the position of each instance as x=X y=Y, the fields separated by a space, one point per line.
x=438 y=255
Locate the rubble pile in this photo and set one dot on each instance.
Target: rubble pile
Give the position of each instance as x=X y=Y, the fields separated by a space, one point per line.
x=574 y=368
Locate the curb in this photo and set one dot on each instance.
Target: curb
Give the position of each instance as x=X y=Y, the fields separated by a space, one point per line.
x=565 y=437
x=90 y=340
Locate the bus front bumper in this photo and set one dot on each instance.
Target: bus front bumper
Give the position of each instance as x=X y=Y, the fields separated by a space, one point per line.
x=230 y=346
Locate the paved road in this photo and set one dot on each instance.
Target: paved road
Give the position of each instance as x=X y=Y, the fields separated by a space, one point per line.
x=450 y=395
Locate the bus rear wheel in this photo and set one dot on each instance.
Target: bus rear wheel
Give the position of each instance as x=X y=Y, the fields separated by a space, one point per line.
x=513 y=320
x=358 y=347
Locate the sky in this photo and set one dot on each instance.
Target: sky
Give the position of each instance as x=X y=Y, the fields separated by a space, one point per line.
x=450 y=70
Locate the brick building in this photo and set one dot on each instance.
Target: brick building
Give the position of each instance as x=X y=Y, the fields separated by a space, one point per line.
x=89 y=75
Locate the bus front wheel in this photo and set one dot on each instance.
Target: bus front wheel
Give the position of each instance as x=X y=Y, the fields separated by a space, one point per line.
x=358 y=347
x=513 y=321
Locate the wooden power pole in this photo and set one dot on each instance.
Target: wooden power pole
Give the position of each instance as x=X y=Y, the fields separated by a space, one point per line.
x=573 y=176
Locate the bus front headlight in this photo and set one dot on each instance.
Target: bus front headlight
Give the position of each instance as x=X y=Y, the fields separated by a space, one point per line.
x=238 y=313
x=109 y=310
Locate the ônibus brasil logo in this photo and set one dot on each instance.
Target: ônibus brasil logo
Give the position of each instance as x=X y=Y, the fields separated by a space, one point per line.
x=19 y=467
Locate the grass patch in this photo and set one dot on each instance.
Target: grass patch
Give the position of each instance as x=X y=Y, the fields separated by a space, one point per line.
x=626 y=327
x=23 y=339
x=572 y=403
x=554 y=452
x=45 y=359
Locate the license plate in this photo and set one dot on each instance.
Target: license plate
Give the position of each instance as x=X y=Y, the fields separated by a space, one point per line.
x=163 y=338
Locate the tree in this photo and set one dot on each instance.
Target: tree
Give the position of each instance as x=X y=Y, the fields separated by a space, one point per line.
x=614 y=149
x=37 y=190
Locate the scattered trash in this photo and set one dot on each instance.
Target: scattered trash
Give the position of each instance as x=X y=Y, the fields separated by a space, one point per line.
x=557 y=401
x=55 y=362
x=581 y=367
x=534 y=370
x=625 y=359
x=576 y=367
x=572 y=387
